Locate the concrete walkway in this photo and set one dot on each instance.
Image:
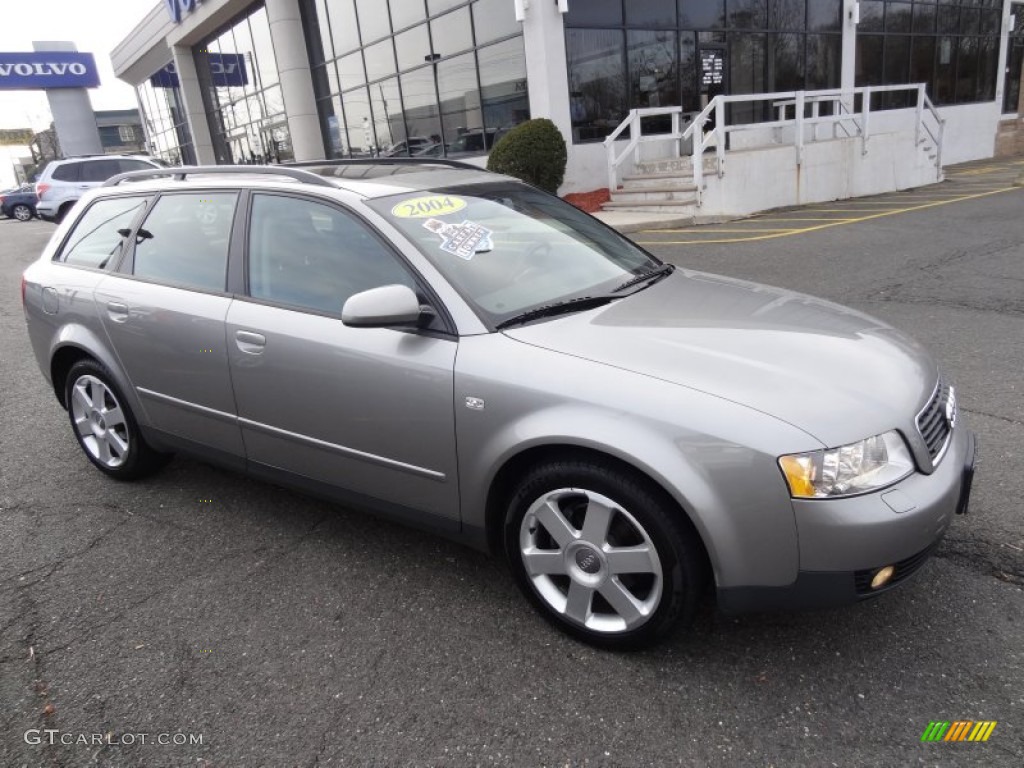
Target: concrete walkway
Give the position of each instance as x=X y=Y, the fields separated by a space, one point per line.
x=1006 y=170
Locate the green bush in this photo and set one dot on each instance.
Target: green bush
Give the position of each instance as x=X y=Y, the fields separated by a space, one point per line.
x=533 y=151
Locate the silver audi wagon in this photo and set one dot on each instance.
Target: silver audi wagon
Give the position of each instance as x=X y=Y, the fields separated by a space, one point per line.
x=467 y=354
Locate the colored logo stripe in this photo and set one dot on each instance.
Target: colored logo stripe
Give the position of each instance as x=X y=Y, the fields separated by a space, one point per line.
x=959 y=730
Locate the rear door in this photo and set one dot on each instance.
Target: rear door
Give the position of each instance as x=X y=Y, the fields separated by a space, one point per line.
x=164 y=313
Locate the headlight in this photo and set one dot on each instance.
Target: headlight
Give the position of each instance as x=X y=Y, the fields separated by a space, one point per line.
x=856 y=468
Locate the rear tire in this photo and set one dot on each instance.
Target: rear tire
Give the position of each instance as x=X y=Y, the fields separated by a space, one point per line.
x=21 y=212
x=603 y=554
x=105 y=426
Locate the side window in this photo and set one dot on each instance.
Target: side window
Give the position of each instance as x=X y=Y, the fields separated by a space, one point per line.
x=184 y=240
x=134 y=165
x=98 y=237
x=314 y=256
x=99 y=170
x=66 y=172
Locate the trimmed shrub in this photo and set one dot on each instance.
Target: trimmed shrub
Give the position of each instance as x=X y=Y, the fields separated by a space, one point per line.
x=533 y=151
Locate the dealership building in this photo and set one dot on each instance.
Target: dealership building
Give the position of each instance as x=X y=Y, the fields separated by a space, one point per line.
x=244 y=81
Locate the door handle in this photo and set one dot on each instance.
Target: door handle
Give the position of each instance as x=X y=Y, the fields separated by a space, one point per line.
x=249 y=342
x=118 y=312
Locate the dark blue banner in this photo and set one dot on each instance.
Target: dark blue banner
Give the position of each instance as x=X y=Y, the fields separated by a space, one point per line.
x=226 y=69
x=48 y=69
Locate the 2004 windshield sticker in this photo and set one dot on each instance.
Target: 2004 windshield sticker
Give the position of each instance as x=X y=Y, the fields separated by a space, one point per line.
x=464 y=239
x=425 y=207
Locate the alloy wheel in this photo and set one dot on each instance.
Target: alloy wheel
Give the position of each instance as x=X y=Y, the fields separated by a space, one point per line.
x=100 y=421
x=22 y=212
x=590 y=560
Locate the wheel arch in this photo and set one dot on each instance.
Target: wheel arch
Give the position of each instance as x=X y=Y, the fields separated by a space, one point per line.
x=503 y=485
x=76 y=342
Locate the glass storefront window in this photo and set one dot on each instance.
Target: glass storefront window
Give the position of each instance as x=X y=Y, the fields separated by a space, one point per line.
x=503 y=95
x=238 y=72
x=461 y=75
x=163 y=117
x=374 y=20
x=359 y=121
x=597 y=82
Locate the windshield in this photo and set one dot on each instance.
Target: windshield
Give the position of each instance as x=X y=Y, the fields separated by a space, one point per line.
x=509 y=248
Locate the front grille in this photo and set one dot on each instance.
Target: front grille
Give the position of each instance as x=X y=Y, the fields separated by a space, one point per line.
x=904 y=569
x=934 y=423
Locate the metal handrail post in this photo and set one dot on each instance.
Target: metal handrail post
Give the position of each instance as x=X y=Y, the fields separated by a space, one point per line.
x=720 y=135
x=865 y=131
x=799 y=138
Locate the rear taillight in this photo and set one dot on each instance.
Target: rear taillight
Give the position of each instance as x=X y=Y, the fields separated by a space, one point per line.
x=41 y=189
x=1 y=199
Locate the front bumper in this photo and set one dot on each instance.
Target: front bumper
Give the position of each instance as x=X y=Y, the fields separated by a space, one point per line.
x=844 y=542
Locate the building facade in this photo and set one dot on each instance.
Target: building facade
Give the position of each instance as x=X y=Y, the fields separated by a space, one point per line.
x=254 y=81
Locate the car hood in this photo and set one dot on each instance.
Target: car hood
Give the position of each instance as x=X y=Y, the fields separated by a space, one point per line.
x=833 y=372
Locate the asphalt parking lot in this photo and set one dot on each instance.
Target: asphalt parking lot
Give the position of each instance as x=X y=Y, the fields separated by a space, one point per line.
x=282 y=631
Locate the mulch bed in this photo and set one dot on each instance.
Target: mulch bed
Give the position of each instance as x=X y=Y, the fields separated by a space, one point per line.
x=589 y=201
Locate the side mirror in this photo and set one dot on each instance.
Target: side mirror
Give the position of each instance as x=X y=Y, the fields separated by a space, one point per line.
x=385 y=307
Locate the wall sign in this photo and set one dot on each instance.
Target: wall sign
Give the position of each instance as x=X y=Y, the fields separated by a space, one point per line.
x=48 y=69
x=178 y=8
x=712 y=68
x=227 y=69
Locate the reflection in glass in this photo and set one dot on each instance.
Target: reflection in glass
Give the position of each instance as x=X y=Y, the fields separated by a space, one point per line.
x=405 y=13
x=597 y=81
x=493 y=20
x=461 y=119
x=387 y=113
x=452 y=32
x=503 y=90
x=350 y=71
x=359 y=121
x=380 y=60
x=344 y=32
x=374 y=22
x=420 y=98
x=412 y=47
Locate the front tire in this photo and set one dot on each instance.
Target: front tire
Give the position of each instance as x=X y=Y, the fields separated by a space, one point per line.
x=21 y=212
x=105 y=426
x=603 y=554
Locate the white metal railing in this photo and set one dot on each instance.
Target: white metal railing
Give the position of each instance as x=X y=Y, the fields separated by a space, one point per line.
x=843 y=114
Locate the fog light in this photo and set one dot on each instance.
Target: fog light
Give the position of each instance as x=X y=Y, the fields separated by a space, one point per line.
x=883 y=576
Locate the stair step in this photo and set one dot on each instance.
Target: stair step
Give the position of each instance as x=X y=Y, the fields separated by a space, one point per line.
x=658 y=183
x=660 y=206
x=655 y=198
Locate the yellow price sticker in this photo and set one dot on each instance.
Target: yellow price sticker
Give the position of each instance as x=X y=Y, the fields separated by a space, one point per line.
x=425 y=207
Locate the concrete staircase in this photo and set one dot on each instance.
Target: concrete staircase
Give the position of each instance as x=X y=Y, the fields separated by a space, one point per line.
x=660 y=186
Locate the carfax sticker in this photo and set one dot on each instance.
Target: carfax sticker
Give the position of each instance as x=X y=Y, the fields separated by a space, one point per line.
x=430 y=205
x=462 y=240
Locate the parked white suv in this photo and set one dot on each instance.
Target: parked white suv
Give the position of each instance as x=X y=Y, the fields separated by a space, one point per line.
x=62 y=182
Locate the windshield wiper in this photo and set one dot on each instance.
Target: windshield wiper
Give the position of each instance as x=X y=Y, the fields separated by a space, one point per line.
x=558 y=308
x=657 y=272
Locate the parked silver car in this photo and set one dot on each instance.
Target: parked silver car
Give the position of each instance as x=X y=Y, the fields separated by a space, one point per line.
x=463 y=352
x=63 y=182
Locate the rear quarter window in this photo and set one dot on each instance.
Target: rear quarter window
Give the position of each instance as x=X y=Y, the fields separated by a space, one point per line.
x=66 y=172
x=98 y=238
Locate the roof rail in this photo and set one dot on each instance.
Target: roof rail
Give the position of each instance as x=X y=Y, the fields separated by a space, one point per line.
x=182 y=172
x=364 y=161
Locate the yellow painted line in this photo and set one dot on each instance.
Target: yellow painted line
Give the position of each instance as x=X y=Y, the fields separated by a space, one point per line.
x=830 y=218
x=711 y=230
x=834 y=223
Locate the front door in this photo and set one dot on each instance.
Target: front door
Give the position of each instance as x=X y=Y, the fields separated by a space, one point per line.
x=365 y=410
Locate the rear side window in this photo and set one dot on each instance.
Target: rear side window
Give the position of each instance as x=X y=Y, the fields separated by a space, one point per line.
x=134 y=165
x=99 y=236
x=184 y=240
x=99 y=170
x=66 y=172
